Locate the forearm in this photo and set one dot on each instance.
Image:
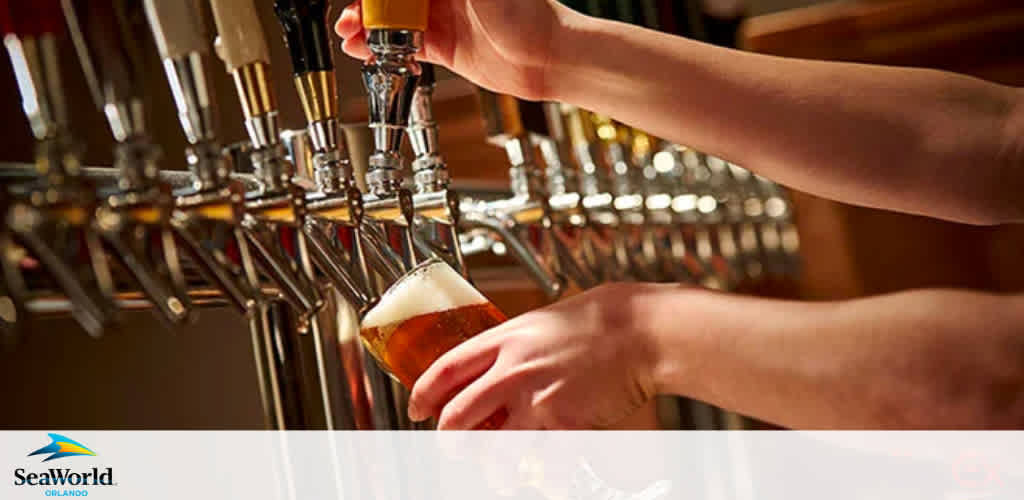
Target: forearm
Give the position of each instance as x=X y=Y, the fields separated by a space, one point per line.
x=912 y=140
x=926 y=359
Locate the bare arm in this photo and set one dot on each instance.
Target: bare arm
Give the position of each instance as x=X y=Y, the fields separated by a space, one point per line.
x=924 y=359
x=912 y=140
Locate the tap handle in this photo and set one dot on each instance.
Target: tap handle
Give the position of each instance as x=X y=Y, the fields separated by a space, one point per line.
x=306 y=33
x=241 y=38
x=427 y=76
x=502 y=120
x=411 y=15
x=104 y=33
x=177 y=27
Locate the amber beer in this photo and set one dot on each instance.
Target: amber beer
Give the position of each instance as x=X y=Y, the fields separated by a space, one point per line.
x=423 y=315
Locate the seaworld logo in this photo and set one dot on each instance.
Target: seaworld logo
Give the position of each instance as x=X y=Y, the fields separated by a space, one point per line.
x=60 y=447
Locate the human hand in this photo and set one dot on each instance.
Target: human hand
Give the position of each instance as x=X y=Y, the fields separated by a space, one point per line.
x=502 y=45
x=583 y=363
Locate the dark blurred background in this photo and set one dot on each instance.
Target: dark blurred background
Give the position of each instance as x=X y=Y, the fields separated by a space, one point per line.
x=142 y=377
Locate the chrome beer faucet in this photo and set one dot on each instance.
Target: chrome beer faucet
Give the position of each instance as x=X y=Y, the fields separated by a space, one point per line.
x=614 y=139
x=598 y=200
x=183 y=48
x=139 y=208
x=242 y=45
x=565 y=200
x=390 y=77
x=433 y=199
x=48 y=217
x=336 y=199
x=663 y=242
x=214 y=198
x=549 y=258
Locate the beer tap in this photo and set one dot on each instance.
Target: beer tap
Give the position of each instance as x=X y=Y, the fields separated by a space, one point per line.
x=183 y=49
x=61 y=204
x=140 y=206
x=390 y=76
x=433 y=198
x=243 y=47
x=629 y=202
x=663 y=242
x=698 y=207
x=550 y=262
x=336 y=199
x=565 y=200
x=214 y=198
x=598 y=201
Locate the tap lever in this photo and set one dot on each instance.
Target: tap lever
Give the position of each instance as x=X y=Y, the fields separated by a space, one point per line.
x=214 y=267
x=89 y=309
x=174 y=309
x=326 y=257
x=296 y=289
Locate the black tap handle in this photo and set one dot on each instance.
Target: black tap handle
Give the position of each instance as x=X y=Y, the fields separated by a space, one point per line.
x=306 y=34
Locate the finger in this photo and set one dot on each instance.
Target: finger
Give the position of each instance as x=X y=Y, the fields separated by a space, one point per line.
x=351 y=20
x=477 y=402
x=356 y=46
x=522 y=420
x=452 y=371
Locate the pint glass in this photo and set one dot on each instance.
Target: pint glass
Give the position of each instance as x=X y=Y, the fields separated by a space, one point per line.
x=427 y=312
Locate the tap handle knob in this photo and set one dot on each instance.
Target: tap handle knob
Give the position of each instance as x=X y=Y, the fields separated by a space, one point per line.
x=241 y=39
x=411 y=15
x=177 y=28
x=305 y=31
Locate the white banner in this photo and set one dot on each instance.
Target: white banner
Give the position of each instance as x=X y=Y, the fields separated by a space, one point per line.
x=530 y=465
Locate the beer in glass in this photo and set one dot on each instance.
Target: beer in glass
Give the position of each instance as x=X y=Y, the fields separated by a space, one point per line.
x=427 y=312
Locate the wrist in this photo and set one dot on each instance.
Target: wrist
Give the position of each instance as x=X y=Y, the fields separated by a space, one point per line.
x=569 y=33
x=669 y=321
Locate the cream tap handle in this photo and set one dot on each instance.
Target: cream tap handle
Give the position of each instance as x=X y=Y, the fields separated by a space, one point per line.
x=177 y=28
x=241 y=38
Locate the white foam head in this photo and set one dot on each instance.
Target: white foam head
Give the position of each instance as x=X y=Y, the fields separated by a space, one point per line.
x=431 y=288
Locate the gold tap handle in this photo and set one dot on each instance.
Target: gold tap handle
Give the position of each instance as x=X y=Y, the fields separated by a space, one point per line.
x=177 y=28
x=410 y=15
x=241 y=38
x=581 y=127
x=502 y=119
